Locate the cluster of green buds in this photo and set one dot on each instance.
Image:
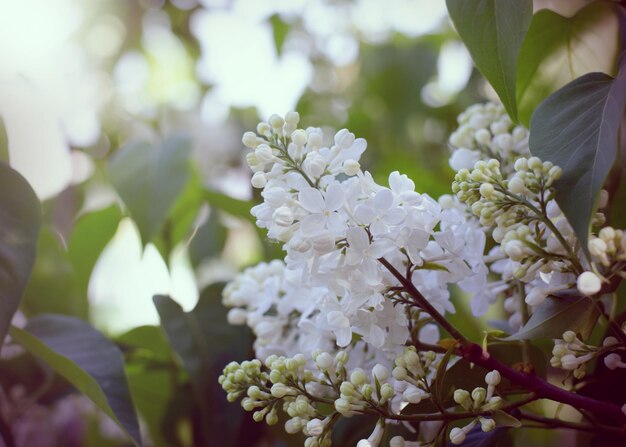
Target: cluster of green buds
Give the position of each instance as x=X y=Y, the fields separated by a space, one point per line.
x=303 y=393
x=527 y=222
x=505 y=202
x=572 y=354
x=480 y=401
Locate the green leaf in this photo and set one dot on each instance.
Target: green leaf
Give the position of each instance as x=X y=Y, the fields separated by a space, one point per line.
x=280 y=30
x=505 y=420
x=493 y=31
x=559 y=49
x=150 y=178
x=236 y=207
x=91 y=233
x=53 y=285
x=90 y=362
x=205 y=343
x=577 y=128
x=20 y=222
x=152 y=377
x=208 y=241
x=558 y=315
x=441 y=372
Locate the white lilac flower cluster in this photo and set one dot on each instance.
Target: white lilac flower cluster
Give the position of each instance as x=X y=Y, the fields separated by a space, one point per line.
x=512 y=197
x=486 y=132
x=336 y=224
x=572 y=354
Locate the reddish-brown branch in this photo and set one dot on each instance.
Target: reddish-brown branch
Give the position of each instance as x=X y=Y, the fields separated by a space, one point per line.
x=473 y=353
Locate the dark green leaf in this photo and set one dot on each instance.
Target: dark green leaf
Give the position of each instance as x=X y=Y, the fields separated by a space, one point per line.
x=577 y=129
x=493 y=31
x=559 y=49
x=558 y=315
x=439 y=378
x=53 y=285
x=91 y=233
x=20 y=221
x=150 y=178
x=205 y=343
x=90 y=362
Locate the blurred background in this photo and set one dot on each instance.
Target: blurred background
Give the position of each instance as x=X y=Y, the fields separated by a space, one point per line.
x=126 y=117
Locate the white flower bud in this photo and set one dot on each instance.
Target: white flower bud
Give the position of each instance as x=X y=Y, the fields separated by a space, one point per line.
x=610 y=341
x=516 y=185
x=250 y=140
x=343 y=406
x=315 y=427
x=314 y=164
x=597 y=247
x=487 y=424
x=293 y=426
x=479 y=395
x=263 y=129
x=399 y=373
x=324 y=361
x=482 y=136
x=386 y=391
x=536 y=296
x=299 y=137
x=380 y=372
x=461 y=397
x=614 y=361
x=514 y=249
x=487 y=190
x=237 y=316
x=292 y=118
x=397 y=441
x=259 y=180
x=276 y=121
x=413 y=395
x=358 y=377
x=351 y=167
x=569 y=362
x=283 y=216
x=493 y=378
x=457 y=436
x=263 y=153
x=535 y=163
x=280 y=390
x=344 y=138
x=588 y=283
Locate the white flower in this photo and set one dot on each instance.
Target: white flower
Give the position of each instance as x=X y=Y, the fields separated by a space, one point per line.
x=380 y=213
x=322 y=209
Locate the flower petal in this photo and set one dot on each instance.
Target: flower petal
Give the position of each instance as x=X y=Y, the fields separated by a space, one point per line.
x=311 y=199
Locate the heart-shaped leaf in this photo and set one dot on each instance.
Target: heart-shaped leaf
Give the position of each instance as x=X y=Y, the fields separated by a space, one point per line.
x=87 y=360
x=577 y=128
x=559 y=49
x=493 y=31
x=150 y=178
x=20 y=222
